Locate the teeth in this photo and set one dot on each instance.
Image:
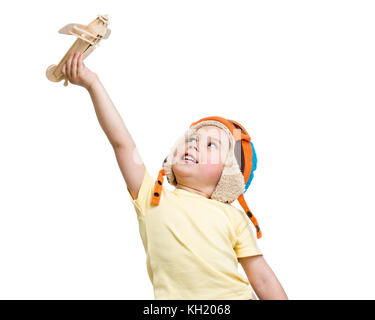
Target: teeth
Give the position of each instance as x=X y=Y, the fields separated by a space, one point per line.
x=189 y=158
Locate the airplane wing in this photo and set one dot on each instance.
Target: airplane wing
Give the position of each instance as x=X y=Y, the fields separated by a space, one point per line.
x=73 y=28
x=69 y=27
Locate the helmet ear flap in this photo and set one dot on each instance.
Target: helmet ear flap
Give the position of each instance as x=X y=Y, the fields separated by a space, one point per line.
x=239 y=155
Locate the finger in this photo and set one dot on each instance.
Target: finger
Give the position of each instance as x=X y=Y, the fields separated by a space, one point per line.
x=74 y=66
x=63 y=69
x=69 y=65
x=80 y=63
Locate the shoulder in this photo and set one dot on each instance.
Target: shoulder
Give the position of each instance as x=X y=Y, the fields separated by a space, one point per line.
x=239 y=218
x=234 y=214
x=234 y=210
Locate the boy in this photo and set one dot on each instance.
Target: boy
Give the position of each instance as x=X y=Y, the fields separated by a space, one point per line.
x=192 y=236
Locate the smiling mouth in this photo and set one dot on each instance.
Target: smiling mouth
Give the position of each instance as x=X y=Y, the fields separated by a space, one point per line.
x=189 y=158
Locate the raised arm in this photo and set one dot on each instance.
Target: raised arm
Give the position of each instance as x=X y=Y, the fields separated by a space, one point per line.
x=127 y=155
x=128 y=158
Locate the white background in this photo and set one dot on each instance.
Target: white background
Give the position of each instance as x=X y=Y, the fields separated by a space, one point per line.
x=299 y=75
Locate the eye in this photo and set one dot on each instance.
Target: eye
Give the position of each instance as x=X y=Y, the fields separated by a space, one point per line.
x=211 y=143
x=192 y=138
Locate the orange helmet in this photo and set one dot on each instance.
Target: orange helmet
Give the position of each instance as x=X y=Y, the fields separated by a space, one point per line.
x=238 y=169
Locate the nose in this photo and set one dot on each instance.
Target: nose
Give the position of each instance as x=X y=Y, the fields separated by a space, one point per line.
x=193 y=145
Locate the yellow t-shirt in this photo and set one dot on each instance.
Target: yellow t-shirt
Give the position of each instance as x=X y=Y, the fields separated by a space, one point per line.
x=192 y=244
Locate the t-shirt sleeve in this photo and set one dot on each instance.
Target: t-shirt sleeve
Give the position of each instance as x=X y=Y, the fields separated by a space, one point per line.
x=245 y=244
x=143 y=201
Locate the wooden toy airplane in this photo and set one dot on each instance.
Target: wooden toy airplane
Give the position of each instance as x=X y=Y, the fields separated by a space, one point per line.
x=88 y=39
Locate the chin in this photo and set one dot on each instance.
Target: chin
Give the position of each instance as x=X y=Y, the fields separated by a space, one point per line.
x=184 y=168
x=207 y=173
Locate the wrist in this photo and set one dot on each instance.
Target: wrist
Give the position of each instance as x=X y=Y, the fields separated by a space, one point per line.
x=93 y=84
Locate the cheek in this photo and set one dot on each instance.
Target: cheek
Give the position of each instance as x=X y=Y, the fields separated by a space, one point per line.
x=214 y=157
x=179 y=151
x=211 y=172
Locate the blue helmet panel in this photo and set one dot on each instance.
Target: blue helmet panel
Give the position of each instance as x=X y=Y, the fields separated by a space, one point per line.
x=254 y=166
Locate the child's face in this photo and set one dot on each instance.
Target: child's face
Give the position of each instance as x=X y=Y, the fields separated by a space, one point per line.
x=208 y=147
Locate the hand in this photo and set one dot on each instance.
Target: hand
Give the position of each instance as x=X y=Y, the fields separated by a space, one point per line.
x=77 y=73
